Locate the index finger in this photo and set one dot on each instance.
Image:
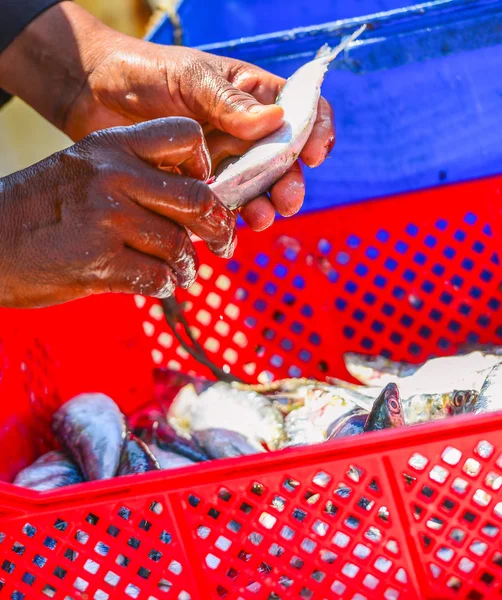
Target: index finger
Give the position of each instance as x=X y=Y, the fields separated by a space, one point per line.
x=322 y=139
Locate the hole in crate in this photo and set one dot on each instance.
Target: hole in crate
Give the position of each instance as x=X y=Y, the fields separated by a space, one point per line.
x=71 y=555
x=60 y=525
x=383 y=514
x=299 y=514
x=478 y=547
x=311 y=497
x=459 y=485
x=448 y=505
x=361 y=551
x=27 y=578
x=484 y=449
x=482 y=498
x=457 y=535
x=246 y=508
x=29 y=530
x=392 y=546
x=276 y=550
x=391 y=594
x=471 y=467
x=39 y=561
x=343 y=491
x=213 y=561
x=92 y=519
x=255 y=538
x=175 y=567
x=409 y=480
x=327 y=556
x=133 y=591
x=285 y=581
x=296 y=562
x=418 y=461
x=244 y=556
x=113 y=531
x=330 y=509
x=490 y=530
x=370 y=582
x=267 y=520
x=352 y=522
x=435 y=523
x=122 y=561
x=445 y=554
x=213 y=513
x=417 y=512
x=18 y=548
x=165 y=586
x=91 y=566
x=8 y=566
x=373 y=534
x=155 y=555
x=338 y=587
x=49 y=590
x=466 y=565
x=439 y=474
x=487 y=578
x=308 y=545
x=253 y=587
x=320 y=528
x=124 y=513
x=318 y=576
x=435 y=570
x=193 y=500
x=382 y=564
x=134 y=543
x=234 y=526
x=232 y=573
x=290 y=485
x=101 y=549
x=350 y=570
x=80 y=584
x=279 y=503
x=341 y=539
x=306 y=594
x=165 y=537
x=287 y=533
x=497 y=559
x=365 y=503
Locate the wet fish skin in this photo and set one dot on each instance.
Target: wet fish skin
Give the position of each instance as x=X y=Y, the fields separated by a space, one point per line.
x=490 y=396
x=245 y=412
x=421 y=408
x=49 y=472
x=222 y=443
x=152 y=428
x=301 y=430
x=268 y=159
x=387 y=411
x=169 y=460
x=376 y=370
x=92 y=430
x=136 y=457
x=348 y=425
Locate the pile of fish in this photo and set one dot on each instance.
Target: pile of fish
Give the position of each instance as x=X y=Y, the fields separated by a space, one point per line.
x=207 y=420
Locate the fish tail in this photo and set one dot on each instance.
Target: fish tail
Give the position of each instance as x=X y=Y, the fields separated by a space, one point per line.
x=329 y=54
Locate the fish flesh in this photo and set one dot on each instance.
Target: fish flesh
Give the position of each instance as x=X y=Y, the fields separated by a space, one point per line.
x=92 y=429
x=223 y=407
x=490 y=396
x=151 y=426
x=301 y=430
x=222 y=443
x=387 y=411
x=169 y=460
x=348 y=425
x=49 y=472
x=136 y=457
x=269 y=158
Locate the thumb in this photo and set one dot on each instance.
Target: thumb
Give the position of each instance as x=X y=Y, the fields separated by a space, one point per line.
x=169 y=142
x=234 y=111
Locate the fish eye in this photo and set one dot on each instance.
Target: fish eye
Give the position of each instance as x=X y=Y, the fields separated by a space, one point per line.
x=394 y=406
x=458 y=400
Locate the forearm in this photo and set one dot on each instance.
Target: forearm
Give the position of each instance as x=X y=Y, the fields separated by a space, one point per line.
x=48 y=63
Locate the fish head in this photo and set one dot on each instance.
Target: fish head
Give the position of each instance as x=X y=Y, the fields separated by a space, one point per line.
x=393 y=405
x=462 y=401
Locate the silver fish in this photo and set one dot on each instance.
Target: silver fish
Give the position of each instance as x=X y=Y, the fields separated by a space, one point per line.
x=387 y=410
x=268 y=159
x=169 y=460
x=224 y=407
x=49 y=472
x=376 y=370
x=348 y=425
x=301 y=430
x=136 y=457
x=422 y=408
x=490 y=397
x=92 y=429
x=222 y=443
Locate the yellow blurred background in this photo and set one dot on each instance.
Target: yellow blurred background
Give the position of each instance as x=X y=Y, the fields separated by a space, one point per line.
x=25 y=137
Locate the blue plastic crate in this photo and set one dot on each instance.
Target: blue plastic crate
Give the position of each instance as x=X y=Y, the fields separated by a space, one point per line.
x=204 y=22
x=418 y=100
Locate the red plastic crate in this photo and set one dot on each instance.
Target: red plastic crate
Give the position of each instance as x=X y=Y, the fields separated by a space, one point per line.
x=411 y=276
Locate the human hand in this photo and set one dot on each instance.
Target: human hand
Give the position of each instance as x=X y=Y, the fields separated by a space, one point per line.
x=108 y=79
x=105 y=215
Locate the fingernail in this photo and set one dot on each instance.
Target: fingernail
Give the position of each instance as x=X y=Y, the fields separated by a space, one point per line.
x=256 y=109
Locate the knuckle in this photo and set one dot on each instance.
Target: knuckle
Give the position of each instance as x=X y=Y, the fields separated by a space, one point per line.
x=162 y=284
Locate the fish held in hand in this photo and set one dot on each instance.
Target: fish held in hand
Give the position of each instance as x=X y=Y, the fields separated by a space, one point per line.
x=222 y=443
x=136 y=457
x=387 y=411
x=92 y=429
x=51 y=471
x=271 y=157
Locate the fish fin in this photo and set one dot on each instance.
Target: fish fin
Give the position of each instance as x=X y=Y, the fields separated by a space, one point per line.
x=344 y=44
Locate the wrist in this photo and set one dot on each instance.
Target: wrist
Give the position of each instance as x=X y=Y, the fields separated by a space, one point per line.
x=48 y=64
